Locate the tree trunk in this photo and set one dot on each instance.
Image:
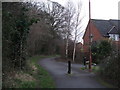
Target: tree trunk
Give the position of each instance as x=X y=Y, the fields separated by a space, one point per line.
x=66 y=49
x=74 y=50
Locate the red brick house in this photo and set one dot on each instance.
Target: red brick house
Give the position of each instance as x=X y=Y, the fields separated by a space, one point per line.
x=100 y=30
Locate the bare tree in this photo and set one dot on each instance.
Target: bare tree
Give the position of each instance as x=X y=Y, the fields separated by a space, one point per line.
x=77 y=26
x=51 y=25
x=69 y=23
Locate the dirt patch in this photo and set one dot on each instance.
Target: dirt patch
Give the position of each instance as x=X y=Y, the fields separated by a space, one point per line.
x=8 y=79
x=24 y=77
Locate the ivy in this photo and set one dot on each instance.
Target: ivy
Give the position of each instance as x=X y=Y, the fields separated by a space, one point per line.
x=16 y=23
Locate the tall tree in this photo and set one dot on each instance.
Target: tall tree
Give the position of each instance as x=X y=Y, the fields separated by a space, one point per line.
x=51 y=26
x=77 y=26
x=69 y=23
x=16 y=24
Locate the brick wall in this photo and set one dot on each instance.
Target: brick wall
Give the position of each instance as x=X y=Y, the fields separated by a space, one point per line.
x=96 y=36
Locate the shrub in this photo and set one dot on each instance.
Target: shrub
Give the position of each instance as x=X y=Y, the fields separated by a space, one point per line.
x=110 y=69
x=100 y=50
x=111 y=66
x=107 y=55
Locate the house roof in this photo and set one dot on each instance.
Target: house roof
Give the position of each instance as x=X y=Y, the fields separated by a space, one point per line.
x=113 y=30
x=116 y=23
x=107 y=26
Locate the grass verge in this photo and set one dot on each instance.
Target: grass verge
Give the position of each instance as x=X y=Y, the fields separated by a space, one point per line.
x=104 y=83
x=42 y=76
x=95 y=69
x=34 y=76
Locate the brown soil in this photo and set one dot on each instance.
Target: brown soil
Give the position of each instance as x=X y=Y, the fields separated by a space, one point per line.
x=24 y=77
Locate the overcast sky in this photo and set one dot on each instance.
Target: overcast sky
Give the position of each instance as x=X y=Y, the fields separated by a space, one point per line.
x=100 y=9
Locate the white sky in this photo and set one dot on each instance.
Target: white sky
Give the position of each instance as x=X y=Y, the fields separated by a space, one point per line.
x=100 y=9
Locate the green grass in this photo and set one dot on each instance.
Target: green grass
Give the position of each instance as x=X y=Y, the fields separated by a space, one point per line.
x=45 y=80
x=95 y=69
x=82 y=68
x=41 y=78
x=25 y=84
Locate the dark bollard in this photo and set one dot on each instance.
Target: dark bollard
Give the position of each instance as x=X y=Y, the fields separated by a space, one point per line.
x=84 y=61
x=69 y=67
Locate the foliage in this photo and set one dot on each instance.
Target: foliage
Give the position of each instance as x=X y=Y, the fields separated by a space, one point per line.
x=31 y=29
x=109 y=70
x=34 y=76
x=100 y=50
x=15 y=30
x=108 y=58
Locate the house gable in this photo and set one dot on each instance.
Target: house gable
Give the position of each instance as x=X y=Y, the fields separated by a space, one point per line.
x=113 y=30
x=94 y=31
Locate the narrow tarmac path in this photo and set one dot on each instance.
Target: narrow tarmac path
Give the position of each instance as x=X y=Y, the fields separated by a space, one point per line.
x=78 y=78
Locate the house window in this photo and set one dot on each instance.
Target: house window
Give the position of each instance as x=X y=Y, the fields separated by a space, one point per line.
x=114 y=37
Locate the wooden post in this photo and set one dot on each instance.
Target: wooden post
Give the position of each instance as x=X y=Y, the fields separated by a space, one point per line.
x=90 y=53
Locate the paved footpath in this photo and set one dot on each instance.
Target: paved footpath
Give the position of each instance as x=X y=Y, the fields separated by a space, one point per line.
x=78 y=78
